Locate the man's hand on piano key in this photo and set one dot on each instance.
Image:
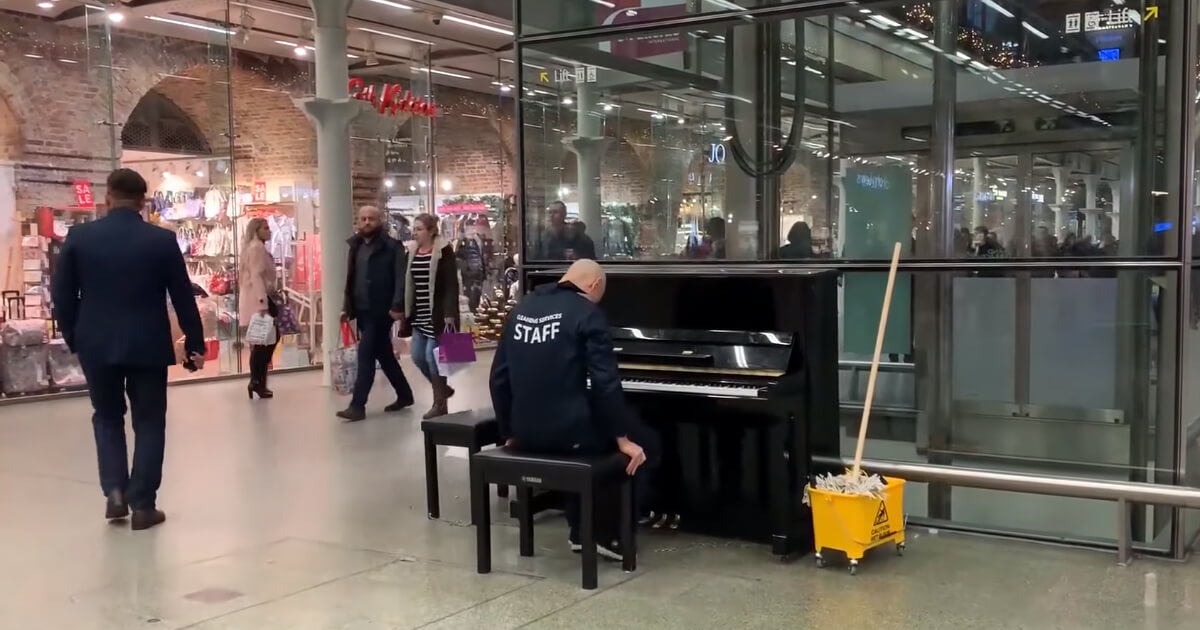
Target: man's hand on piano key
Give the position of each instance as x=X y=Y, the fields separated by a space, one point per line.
x=636 y=455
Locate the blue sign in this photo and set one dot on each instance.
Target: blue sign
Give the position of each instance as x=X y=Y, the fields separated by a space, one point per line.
x=1110 y=54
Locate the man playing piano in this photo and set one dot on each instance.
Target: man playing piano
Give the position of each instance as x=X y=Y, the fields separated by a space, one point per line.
x=555 y=342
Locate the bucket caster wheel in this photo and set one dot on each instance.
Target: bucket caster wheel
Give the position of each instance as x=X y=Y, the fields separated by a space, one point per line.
x=821 y=563
x=900 y=549
x=854 y=567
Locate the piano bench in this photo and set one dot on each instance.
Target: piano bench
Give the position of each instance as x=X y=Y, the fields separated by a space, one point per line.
x=582 y=475
x=469 y=429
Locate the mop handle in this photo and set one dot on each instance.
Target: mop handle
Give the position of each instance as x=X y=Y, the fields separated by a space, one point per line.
x=883 y=317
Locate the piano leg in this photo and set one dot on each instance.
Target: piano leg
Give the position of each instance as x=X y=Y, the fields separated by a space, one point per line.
x=781 y=489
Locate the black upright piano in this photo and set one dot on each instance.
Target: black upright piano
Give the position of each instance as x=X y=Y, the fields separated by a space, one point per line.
x=736 y=367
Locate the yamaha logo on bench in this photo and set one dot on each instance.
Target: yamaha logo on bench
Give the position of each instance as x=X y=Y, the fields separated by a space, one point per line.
x=531 y=480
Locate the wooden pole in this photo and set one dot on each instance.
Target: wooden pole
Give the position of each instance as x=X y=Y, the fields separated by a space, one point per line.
x=883 y=318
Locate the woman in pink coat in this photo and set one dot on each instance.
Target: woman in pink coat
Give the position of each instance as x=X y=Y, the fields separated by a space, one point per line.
x=256 y=285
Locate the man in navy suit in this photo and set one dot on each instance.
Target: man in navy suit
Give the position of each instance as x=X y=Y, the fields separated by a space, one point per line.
x=110 y=299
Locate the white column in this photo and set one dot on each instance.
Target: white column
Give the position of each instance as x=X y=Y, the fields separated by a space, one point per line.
x=331 y=112
x=1091 y=186
x=1060 y=212
x=1115 y=215
x=588 y=145
x=978 y=179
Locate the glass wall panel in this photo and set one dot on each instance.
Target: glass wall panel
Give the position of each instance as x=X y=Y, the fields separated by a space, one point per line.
x=1055 y=375
x=542 y=16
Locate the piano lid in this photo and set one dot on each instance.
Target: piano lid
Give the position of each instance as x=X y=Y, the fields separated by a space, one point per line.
x=746 y=355
x=743 y=298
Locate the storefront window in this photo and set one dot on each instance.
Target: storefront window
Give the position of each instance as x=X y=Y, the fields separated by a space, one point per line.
x=204 y=106
x=541 y=16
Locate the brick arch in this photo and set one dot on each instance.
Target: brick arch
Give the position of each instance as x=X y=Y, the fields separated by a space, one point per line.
x=272 y=139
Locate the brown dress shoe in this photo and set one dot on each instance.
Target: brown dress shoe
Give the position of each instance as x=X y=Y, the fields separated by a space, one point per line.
x=145 y=519
x=116 y=508
x=351 y=414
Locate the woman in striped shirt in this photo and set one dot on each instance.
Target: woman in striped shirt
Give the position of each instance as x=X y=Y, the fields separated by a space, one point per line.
x=431 y=303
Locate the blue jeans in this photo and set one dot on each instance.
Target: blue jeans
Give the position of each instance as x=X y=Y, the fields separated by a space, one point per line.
x=424 y=354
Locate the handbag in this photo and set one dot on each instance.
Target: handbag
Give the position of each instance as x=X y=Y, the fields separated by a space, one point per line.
x=287 y=321
x=343 y=362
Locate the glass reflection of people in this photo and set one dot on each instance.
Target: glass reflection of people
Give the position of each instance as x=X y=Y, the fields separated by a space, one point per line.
x=560 y=241
x=712 y=245
x=799 y=245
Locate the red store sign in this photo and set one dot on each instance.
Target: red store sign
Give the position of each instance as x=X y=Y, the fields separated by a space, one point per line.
x=260 y=192
x=391 y=99
x=463 y=208
x=83 y=194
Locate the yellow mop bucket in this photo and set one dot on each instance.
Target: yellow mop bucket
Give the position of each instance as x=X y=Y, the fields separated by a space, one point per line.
x=852 y=524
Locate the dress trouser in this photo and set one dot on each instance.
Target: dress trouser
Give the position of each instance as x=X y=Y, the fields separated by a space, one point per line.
x=146 y=387
x=375 y=345
x=260 y=356
x=640 y=434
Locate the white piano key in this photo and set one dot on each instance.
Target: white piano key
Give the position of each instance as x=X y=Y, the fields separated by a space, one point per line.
x=646 y=385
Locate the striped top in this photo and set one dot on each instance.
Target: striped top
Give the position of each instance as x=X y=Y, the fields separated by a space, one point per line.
x=423 y=319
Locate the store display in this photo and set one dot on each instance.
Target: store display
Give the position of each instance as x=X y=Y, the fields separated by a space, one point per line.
x=23 y=369
x=491 y=316
x=63 y=365
x=23 y=332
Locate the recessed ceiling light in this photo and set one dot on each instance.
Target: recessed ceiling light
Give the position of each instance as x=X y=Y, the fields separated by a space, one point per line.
x=116 y=17
x=195 y=25
x=394 y=5
x=479 y=25
x=45 y=5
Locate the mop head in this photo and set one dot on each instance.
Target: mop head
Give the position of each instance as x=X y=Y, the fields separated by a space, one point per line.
x=861 y=484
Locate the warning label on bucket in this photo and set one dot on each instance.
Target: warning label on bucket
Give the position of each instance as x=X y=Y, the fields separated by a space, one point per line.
x=880 y=529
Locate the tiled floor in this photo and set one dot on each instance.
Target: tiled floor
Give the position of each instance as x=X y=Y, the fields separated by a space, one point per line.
x=280 y=517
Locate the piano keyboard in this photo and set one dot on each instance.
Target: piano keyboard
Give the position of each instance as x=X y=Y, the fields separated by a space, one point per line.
x=706 y=389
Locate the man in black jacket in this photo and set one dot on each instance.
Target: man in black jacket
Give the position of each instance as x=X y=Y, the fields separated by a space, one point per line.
x=374 y=300
x=555 y=341
x=108 y=293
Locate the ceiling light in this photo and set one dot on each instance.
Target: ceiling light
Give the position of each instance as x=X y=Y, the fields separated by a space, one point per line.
x=301 y=51
x=442 y=72
x=479 y=25
x=505 y=88
x=388 y=183
x=70 y=61
x=199 y=173
x=394 y=5
x=1029 y=27
x=446 y=185
x=884 y=20
x=567 y=100
x=605 y=3
x=394 y=36
x=45 y=5
x=814 y=71
x=116 y=17
x=997 y=8
x=608 y=107
x=195 y=25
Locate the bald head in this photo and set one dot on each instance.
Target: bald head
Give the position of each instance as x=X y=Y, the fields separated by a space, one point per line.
x=588 y=276
x=370 y=220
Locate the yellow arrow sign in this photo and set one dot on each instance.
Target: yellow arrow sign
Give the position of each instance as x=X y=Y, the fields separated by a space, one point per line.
x=1152 y=13
x=544 y=76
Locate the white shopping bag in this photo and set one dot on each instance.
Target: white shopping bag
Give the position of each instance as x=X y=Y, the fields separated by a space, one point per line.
x=261 y=331
x=449 y=369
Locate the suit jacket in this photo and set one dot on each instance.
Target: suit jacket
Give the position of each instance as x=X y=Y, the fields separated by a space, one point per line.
x=256 y=280
x=110 y=293
x=385 y=276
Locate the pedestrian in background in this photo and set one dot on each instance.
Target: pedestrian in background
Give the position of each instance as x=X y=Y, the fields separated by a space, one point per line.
x=431 y=304
x=108 y=292
x=374 y=301
x=256 y=285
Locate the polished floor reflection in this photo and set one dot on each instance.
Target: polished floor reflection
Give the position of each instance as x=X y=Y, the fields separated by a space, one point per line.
x=280 y=517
